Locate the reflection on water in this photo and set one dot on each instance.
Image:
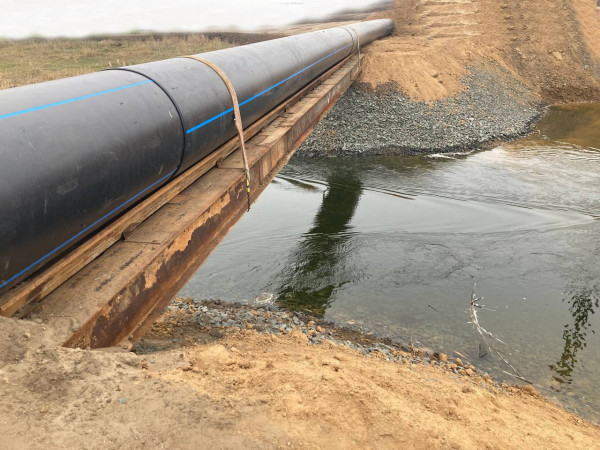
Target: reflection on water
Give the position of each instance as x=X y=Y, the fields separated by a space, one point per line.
x=582 y=298
x=377 y=240
x=311 y=275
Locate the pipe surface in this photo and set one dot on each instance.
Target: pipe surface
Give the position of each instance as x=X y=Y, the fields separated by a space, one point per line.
x=77 y=152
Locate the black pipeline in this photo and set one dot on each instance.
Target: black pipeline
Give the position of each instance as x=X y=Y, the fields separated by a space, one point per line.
x=77 y=152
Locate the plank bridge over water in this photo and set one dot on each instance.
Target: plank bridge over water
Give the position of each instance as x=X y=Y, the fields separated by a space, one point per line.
x=112 y=287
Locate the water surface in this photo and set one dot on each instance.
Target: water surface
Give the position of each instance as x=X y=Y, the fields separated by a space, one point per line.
x=396 y=244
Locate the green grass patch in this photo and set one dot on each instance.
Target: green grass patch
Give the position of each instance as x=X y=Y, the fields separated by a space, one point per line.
x=35 y=60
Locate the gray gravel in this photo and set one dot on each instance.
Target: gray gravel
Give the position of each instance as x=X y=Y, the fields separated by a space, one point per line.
x=193 y=319
x=494 y=107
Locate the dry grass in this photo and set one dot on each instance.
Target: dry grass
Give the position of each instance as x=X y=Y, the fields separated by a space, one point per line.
x=36 y=60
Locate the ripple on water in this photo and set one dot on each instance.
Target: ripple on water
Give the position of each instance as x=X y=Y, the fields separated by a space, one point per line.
x=379 y=240
x=434 y=214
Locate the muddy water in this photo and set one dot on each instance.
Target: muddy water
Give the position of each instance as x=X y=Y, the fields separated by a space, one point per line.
x=396 y=244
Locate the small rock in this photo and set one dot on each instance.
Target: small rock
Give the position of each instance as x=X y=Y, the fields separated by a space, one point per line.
x=320 y=330
x=122 y=400
x=458 y=362
x=443 y=357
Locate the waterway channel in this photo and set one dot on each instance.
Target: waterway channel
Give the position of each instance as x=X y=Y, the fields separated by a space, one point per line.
x=395 y=245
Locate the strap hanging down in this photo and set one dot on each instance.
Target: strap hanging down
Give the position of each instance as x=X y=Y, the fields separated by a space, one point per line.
x=236 y=115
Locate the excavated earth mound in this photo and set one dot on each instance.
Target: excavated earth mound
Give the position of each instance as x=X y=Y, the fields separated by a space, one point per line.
x=462 y=74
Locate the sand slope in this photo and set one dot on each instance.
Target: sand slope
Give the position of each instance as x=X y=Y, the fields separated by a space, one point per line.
x=553 y=46
x=250 y=390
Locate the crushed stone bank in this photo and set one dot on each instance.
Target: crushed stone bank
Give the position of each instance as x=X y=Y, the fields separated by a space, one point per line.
x=383 y=121
x=218 y=318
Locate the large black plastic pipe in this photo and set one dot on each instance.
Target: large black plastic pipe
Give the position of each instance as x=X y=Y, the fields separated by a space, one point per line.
x=77 y=152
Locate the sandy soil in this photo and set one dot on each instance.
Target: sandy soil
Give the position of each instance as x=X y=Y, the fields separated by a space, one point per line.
x=553 y=46
x=251 y=390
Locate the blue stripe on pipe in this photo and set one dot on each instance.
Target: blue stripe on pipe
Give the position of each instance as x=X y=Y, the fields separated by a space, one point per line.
x=71 y=100
x=86 y=229
x=191 y=130
x=212 y=119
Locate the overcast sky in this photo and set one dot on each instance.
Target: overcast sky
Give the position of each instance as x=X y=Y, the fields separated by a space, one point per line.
x=78 y=18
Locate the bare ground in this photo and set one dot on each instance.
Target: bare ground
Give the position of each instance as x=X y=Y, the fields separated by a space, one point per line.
x=242 y=389
x=553 y=46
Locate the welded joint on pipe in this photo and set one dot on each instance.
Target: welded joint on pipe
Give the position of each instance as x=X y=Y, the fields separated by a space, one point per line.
x=173 y=102
x=351 y=35
x=357 y=44
x=355 y=33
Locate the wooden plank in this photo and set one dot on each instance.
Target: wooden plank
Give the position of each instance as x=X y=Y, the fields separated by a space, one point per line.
x=121 y=293
x=49 y=279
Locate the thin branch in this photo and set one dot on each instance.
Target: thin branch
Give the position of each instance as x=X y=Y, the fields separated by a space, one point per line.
x=485 y=334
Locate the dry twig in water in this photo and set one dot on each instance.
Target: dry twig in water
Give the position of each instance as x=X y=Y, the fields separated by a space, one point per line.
x=487 y=336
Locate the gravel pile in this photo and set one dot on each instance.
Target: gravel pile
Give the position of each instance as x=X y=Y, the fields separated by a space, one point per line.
x=216 y=318
x=493 y=107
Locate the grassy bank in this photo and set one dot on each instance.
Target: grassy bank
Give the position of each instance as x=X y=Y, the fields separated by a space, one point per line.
x=35 y=60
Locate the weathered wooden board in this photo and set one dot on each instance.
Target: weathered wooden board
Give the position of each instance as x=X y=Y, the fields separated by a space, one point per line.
x=120 y=293
x=42 y=284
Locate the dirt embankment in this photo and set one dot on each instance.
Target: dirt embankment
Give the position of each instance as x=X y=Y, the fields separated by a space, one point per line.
x=461 y=74
x=552 y=46
x=204 y=379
